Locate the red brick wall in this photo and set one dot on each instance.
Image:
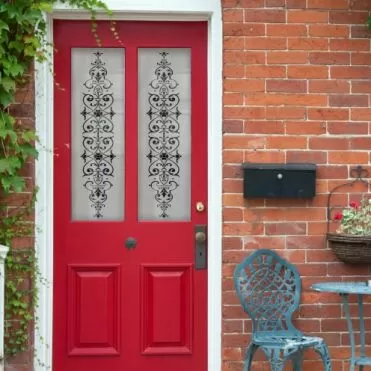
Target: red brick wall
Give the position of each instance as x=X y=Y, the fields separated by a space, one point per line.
x=24 y=111
x=297 y=88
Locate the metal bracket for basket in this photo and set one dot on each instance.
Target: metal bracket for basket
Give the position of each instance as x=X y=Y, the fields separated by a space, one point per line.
x=358 y=173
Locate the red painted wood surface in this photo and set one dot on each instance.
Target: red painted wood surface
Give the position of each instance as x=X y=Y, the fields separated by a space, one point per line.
x=117 y=309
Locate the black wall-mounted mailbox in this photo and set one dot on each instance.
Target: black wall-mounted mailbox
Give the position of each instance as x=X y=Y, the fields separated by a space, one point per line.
x=294 y=180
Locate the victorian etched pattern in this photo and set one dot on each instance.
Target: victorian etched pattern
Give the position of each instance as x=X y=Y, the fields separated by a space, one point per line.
x=163 y=135
x=98 y=135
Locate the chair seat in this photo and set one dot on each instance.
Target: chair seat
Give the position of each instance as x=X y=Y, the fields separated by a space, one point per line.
x=285 y=342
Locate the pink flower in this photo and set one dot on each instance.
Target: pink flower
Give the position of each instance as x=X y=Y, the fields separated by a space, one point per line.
x=338 y=216
x=354 y=205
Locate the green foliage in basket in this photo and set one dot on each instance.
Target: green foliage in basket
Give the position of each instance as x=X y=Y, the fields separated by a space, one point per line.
x=355 y=219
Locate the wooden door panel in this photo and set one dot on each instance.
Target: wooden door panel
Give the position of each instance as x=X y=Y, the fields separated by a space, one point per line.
x=93 y=310
x=167 y=309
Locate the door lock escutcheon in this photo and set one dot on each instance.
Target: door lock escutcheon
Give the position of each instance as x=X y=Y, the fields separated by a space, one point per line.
x=200 y=247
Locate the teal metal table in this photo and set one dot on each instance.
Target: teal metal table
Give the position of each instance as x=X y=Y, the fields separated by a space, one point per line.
x=344 y=289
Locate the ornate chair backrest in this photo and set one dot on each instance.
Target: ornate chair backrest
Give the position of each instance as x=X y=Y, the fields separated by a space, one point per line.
x=269 y=290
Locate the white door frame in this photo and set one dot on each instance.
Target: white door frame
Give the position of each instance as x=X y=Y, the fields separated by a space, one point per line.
x=154 y=10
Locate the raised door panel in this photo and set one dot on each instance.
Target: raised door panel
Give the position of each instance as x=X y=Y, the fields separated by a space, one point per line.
x=167 y=309
x=93 y=310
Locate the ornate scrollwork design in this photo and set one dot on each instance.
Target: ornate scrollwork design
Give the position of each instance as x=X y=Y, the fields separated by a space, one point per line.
x=98 y=135
x=163 y=137
x=269 y=310
x=358 y=175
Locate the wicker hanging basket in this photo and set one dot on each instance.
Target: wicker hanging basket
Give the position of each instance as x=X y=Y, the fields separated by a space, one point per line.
x=350 y=248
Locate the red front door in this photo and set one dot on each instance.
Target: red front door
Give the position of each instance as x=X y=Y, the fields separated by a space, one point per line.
x=130 y=196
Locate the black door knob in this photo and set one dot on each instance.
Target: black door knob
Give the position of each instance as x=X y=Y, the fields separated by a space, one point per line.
x=130 y=243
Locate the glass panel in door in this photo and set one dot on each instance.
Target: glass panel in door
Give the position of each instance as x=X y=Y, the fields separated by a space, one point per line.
x=164 y=119
x=97 y=121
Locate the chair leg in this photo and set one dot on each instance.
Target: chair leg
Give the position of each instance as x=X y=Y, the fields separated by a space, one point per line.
x=277 y=362
x=249 y=356
x=275 y=357
x=297 y=360
x=322 y=350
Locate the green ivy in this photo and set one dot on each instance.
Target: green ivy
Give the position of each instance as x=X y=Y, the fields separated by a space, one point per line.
x=22 y=41
x=20 y=285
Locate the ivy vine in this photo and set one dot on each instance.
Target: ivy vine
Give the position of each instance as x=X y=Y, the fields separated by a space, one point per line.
x=22 y=41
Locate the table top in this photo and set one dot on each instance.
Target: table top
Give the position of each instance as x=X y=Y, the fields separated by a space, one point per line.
x=343 y=287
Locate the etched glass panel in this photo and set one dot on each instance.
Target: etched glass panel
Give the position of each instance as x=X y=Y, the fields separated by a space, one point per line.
x=97 y=133
x=164 y=152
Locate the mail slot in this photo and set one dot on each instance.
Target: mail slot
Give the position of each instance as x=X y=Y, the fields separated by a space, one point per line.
x=293 y=180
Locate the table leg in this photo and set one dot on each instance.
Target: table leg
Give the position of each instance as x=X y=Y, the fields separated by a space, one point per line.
x=345 y=300
x=361 y=326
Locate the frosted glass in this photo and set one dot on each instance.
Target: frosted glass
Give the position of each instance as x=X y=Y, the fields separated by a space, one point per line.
x=164 y=145
x=97 y=133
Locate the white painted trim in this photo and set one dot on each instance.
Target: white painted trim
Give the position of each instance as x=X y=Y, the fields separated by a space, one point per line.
x=154 y=10
x=3 y=253
x=62 y=14
x=153 y=7
x=44 y=211
x=215 y=93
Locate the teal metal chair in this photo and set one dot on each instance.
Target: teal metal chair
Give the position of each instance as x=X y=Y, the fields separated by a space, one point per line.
x=269 y=290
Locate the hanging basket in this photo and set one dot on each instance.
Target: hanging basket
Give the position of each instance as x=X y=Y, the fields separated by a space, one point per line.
x=350 y=248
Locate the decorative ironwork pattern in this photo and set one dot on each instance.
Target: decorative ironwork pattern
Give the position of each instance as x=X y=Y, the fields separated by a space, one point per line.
x=97 y=135
x=269 y=290
x=358 y=174
x=163 y=135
